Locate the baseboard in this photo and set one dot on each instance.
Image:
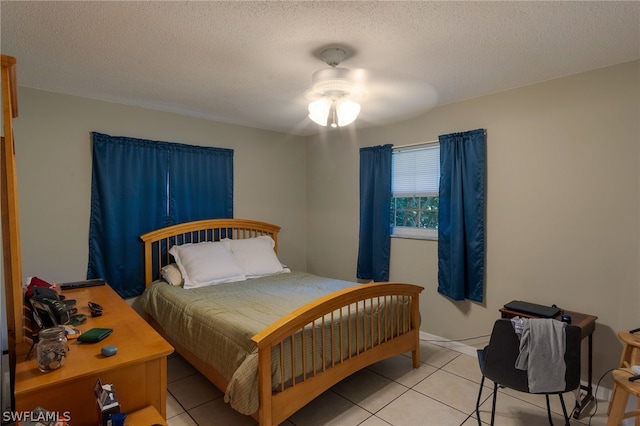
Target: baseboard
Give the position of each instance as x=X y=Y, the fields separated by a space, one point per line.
x=449 y=344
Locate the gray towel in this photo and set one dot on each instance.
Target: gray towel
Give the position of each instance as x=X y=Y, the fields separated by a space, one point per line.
x=542 y=348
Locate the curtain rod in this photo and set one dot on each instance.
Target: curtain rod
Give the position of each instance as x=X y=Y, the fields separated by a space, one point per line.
x=416 y=144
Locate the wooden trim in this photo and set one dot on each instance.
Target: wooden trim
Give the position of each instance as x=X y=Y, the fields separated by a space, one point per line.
x=12 y=262
x=9 y=63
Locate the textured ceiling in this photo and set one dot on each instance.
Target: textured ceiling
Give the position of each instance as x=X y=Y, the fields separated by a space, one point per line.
x=251 y=62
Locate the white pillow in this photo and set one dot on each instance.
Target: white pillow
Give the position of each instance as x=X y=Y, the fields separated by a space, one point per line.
x=256 y=256
x=207 y=263
x=172 y=275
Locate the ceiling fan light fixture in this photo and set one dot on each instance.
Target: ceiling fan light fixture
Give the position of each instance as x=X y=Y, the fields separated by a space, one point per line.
x=326 y=111
x=347 y=112
x=319 y=110
x=334 y=93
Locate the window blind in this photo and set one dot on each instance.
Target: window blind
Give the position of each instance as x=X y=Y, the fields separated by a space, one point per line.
x=416 y=172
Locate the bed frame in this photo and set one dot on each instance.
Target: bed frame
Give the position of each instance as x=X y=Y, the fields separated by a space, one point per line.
x=277 y=405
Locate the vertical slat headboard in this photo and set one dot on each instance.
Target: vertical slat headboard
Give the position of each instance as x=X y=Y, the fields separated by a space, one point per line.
x=157 y=243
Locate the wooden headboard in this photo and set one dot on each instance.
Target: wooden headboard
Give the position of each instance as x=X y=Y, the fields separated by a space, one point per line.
x=157 y=243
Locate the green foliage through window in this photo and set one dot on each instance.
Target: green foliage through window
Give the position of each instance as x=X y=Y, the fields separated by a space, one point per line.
x=415 y=212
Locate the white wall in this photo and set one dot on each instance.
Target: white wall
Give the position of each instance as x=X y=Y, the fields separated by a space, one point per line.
x=53 y=150
x=563 y=197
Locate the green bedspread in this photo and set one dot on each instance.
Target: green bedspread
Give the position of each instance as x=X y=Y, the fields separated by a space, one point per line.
x=217 y=323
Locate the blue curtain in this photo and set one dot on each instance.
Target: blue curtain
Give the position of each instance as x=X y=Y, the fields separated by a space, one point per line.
x=200 y=183
x=136 y=185
x=375 y=221
x=461 y=215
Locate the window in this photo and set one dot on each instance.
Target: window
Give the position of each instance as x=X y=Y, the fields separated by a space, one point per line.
x=415 y=180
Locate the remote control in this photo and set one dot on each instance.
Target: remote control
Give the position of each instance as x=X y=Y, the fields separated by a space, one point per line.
x=82 y=284
x=635 y=330
x=634 y=378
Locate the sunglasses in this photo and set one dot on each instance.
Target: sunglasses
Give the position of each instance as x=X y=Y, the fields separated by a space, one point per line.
x=96 y=310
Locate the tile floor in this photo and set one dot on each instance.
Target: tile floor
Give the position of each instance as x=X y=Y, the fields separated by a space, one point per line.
x=443 y=391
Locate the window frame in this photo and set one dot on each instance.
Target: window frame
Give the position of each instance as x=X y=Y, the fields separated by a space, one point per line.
x=412 y=232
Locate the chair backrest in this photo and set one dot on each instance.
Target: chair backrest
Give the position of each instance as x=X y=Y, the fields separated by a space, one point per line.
x=504 y=348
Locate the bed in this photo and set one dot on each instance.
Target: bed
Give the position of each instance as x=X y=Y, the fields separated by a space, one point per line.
x=270 y=338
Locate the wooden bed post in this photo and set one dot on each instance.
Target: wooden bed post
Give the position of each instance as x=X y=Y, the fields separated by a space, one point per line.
x=415 y=323
x=148 y=262
x=265 y=412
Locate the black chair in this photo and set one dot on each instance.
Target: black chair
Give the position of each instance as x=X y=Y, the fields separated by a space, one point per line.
x=497 y=363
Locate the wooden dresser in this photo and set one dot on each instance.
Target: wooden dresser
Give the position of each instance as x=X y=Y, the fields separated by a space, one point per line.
x=138 y=370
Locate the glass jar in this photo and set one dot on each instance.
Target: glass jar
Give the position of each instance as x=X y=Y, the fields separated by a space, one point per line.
x=51 y=349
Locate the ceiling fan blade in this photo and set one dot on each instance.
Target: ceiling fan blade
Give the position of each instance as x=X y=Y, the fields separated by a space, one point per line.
x=389 y=96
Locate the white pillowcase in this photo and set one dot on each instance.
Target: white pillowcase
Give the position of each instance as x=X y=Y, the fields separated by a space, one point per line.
x=256 y=256
x=207 y=263
x=172 y=275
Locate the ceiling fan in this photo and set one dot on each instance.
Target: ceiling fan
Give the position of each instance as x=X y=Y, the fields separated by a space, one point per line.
x=340 y=95
x=335 y=93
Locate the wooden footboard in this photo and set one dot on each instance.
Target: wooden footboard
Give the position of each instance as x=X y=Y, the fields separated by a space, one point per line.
x=385 y=315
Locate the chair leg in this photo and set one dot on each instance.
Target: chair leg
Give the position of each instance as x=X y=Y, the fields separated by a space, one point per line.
x=613 y=394
x=493 y=406
x=478 y=401
x=564 y=410
x=546 y=395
